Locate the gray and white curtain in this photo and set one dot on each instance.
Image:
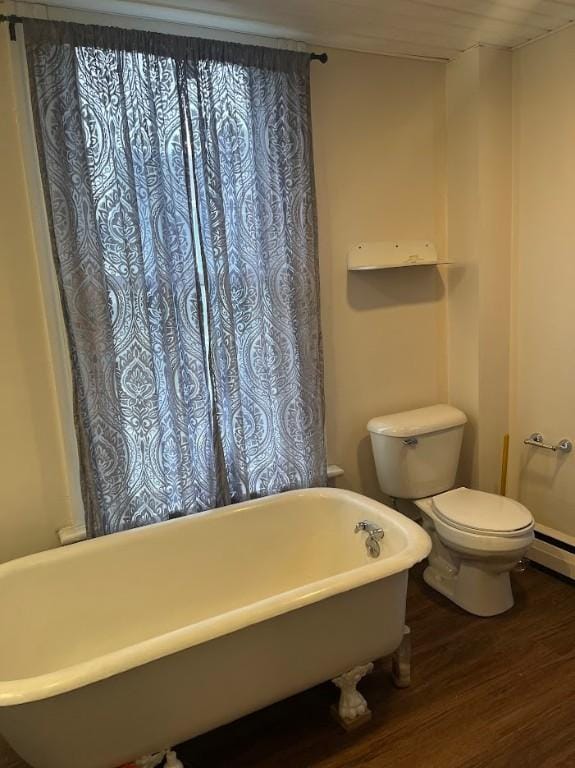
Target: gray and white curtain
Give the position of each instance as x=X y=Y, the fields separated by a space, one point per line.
x=179 y=184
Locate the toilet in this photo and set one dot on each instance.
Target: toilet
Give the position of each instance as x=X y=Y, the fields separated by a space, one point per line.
x=477 y=538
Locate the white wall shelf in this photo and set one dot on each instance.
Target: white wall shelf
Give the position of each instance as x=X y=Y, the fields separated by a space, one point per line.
x=392 y=254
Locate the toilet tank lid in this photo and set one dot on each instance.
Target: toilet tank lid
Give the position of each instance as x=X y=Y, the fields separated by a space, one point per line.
x=420 y=421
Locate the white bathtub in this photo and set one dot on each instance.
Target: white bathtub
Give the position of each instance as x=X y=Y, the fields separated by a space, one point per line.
x=120 y=646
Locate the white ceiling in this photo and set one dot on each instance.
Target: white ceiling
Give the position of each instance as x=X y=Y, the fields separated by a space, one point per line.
x=431 y=28
x=437 y=29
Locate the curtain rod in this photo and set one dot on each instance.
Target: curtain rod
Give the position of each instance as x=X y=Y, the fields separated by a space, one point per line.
x=13 y=20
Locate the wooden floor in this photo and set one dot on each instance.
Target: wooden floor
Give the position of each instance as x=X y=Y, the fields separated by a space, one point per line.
x=486 y=693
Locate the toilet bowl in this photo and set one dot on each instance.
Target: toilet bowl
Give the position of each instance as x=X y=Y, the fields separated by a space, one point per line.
x=477 y=537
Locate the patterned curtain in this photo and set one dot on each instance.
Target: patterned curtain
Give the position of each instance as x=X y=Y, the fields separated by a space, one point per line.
x=179 y=184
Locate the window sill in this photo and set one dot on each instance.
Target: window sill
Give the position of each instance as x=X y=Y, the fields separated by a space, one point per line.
x=71 y=534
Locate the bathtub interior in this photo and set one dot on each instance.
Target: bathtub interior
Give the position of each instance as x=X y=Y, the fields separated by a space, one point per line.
x=101 y=596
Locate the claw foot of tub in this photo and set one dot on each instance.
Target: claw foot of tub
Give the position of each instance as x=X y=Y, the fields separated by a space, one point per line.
x=401 y=661
x=152 y=761
x=172 y=760
x=352 y=709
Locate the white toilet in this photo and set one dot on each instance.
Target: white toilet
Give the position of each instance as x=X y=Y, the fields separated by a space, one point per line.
x=477 y=537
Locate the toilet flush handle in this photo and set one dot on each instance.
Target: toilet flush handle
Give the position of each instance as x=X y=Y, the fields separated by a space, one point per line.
x=411 y=441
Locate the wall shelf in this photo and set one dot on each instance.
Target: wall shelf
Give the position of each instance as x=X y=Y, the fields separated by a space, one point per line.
x=392 y=254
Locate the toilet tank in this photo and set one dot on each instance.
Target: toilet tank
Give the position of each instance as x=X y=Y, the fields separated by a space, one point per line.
x=416 y=452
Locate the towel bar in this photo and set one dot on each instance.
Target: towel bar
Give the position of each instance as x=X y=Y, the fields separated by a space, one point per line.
x=536 y=440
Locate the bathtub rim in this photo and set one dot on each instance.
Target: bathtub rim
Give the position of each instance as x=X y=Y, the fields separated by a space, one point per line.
x=67 y=679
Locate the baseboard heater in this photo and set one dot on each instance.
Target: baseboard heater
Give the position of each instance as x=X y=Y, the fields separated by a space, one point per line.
x=553 y=552
x=555 y=542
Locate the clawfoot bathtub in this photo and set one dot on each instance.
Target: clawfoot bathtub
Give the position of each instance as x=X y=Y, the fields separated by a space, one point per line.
x=126 y=645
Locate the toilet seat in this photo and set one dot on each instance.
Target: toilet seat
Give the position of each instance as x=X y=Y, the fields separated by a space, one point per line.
x=482 y=514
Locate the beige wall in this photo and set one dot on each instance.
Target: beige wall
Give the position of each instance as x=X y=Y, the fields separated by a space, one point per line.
x=395 y=141
x=379 y=138
x=380 y=145
x=543 y=338
x=479 y=232
x=34 y=498
x=495 y=163
x=463 y=107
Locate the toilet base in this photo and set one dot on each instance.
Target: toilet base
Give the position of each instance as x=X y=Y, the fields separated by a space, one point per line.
x=473 y=587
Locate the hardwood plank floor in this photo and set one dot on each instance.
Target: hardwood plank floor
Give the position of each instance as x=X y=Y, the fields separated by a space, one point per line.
x=485 y=693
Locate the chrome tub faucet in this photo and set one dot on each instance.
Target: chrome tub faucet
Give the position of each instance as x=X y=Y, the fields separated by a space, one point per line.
x=374 y=535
